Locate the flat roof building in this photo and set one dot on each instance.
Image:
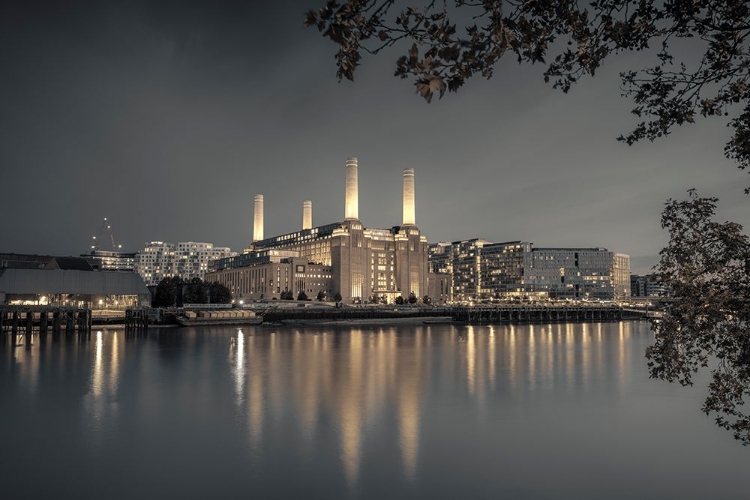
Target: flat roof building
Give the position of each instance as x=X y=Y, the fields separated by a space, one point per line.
x=483 y=270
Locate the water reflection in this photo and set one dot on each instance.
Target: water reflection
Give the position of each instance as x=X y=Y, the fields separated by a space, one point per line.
x=363 y=379
x=101 y=403
x=362 y=399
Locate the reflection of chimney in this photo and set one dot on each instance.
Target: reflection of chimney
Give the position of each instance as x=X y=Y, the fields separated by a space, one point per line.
x=258 y=220
x=307 y=214
x=352 y=194
x=409 y=207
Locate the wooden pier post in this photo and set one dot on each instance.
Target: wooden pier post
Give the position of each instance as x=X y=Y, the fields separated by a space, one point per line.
x=70 y=326
x=43 y=321
x=56 y=321
x=29 y=322
x=14 y=323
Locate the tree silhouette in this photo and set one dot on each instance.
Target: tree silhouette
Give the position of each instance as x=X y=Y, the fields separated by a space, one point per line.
x=570 y=40
x=707 y=265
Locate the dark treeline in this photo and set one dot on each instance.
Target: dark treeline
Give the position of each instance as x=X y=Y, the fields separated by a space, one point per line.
x=174 y=292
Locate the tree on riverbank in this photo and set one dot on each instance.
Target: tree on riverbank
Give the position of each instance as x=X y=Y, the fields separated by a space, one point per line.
x=707 y=264
x=218 y=293
x=195 y=292
x=174 y=292
x=570 y=40
x=169 y=292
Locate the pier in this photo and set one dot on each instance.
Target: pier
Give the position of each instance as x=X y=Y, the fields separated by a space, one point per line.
x=505 y=313
x=543 y=314
x=15 y=320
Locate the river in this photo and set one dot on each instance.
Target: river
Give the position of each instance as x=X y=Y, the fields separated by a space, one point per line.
x=426 y=411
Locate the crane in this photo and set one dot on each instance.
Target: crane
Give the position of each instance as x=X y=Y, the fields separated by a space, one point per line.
x=97 y=240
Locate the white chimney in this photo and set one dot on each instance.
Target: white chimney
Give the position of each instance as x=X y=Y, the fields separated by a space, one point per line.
x=307 y=214
x=258 y=220
x=352 y=194
x=410 y=218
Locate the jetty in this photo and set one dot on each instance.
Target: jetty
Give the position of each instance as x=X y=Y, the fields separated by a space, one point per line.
x=15 y=320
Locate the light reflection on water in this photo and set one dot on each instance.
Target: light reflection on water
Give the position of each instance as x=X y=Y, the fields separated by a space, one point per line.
x=436 y=410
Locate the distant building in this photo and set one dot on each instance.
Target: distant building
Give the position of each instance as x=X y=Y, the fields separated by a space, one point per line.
x=66 y=281
x=270 y=273
x=105 y=260
x=483 y=270
x=580 y=273
x=343 y=258
x=188 y=260
x=647 y=286
x=24 y=261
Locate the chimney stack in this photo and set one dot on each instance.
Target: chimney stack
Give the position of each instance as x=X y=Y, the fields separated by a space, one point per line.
x=307 y=214
x=258 y=220
x=352 y=194
x=409 y=207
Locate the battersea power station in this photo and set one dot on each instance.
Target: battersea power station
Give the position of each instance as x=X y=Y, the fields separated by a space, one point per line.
x=344 y=258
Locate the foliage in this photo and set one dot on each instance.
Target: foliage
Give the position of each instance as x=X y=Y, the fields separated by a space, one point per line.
x=302 y=295
x=321 y=296
x=169 y=292
x=707 y=265
x=195 y=292
x=412 y=298
x=571 y=39
x=426 y=299
x=337 y=298
x=399 y=300
x=218 y=293
x=287 y=295
x=379 y=299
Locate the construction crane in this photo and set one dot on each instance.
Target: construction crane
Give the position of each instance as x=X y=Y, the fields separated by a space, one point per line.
x=97 y=239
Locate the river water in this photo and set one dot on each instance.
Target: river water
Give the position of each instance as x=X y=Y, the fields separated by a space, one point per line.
x=421 y=411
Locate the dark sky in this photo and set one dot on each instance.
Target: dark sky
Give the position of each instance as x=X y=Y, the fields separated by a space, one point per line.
x=168 y=117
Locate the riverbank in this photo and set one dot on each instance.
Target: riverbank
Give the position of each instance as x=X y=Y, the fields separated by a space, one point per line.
x=364 y=321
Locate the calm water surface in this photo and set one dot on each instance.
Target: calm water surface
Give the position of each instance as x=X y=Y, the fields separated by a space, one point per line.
x=441 y=411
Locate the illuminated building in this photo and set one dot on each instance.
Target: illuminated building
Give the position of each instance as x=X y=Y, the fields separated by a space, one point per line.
x=345 y=257
x=188 y=260
x=579 y=273
x=647 y=286
x=105 y=260
x=483 y=270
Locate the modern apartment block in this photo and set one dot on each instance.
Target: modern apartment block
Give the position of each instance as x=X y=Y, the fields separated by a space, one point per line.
x=574 y=273
x=647 y=286
x=483 y=270
x=187 y=259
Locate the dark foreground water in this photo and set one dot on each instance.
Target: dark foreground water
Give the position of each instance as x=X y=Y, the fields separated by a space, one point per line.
x=548 y=411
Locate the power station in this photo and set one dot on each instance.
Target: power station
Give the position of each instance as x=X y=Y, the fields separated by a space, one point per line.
x=343 y=258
